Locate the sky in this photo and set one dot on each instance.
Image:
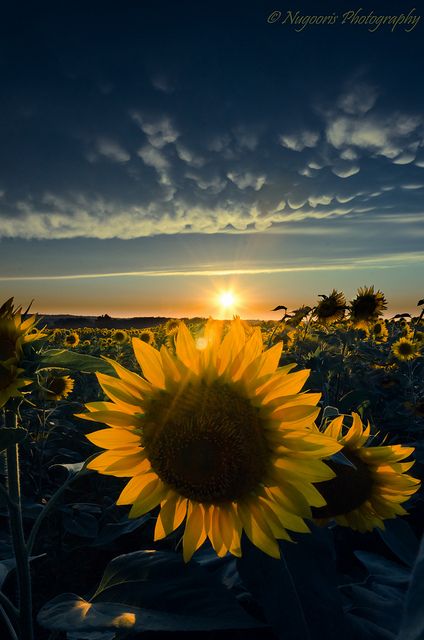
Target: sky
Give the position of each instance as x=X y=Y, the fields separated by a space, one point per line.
x=155 y=154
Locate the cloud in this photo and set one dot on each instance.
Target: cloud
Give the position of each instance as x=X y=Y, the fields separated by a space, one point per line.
x=345 y=170
x=299 y=141
x=214 y=184
x=244 y=180
x=316 y=200
x=188 y=156
x=112 y=150
x=159 y=132
x=404 y=158
x=349 y=154
x=359 y=99
x=379 y=262
x=153 y=158
x=246 y=139
x=384 y=136
x=344 y=199
x=162 y=83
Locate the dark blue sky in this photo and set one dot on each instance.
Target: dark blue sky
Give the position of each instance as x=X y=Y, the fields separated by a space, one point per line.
x=158 y=139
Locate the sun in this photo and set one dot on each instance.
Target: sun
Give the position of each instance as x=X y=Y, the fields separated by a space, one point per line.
x=227 y=299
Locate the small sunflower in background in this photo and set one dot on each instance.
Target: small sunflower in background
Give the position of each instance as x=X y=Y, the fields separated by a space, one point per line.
x=10 y=382
x=120 y=337
x=171 y=326
x=218 y=436
x=362 y=496
x=71 y=340
x=56 y=387
x=406 y=331
x=367 y=307
x=378 y=331
x=147 y=336
x=331 y=308
x=406 y=349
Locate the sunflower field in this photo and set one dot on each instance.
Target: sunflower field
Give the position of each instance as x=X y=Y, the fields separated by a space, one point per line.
x=214 y=479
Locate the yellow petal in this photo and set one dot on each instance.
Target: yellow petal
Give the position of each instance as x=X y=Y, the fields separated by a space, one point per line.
x=257 y=529
x=130 y=465
x=186 y=349
x=297 y=416
x=114 y=438
x=194 y=533
x=113 y=418
x=133 y=379
x=230 y=347
x=172 y=513
x=150 y=362
x=133 y=488
x=149 y=498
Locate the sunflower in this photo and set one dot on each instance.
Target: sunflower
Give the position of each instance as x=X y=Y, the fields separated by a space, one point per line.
x=367 y=307
x=57 y=387
x=146 y=335
x=378 y=331
x=364 y=495
x=331 y=308
x=120 y=336
x=71 y=340
x=10 y=383
x=405 y=349
x=217 y=435
x=14 y=332
x=171 y=326
x=406 y=331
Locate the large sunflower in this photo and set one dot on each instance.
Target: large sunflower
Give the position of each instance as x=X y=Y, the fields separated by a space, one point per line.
x=15 y=332
x=364 y=495
x=367 y=307
x=217 y=435
x=331 y=308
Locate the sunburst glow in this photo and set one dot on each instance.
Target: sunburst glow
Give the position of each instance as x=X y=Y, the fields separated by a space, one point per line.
x=227 y=299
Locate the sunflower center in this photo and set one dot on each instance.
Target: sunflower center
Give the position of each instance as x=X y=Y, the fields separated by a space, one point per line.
x=351 y=487
x=405 y=349
x=365 y=306
x=207 y=442
x=56 y=385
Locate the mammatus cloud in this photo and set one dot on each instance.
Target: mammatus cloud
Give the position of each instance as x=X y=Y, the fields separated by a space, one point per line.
x=159 y=132
x=299 y=141
x=359 y=99
x=112 y=150
x=171 y=177
x=244 y=180
x=345 y=171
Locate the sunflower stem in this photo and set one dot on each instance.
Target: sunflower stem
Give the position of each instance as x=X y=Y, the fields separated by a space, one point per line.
x=49 y=506
x=18 y=538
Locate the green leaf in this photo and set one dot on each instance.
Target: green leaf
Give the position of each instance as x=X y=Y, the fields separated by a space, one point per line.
x=155 y=590
x=69 y=612
x=76 y=361
x=10 y=437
